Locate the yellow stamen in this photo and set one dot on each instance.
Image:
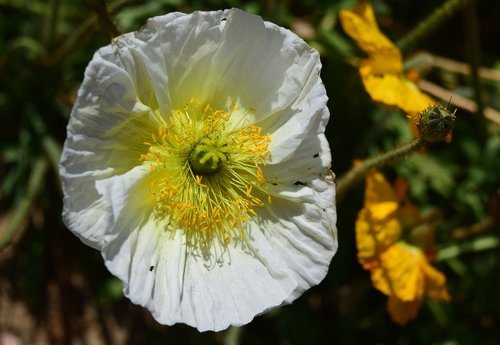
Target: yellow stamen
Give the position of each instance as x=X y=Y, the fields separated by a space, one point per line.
x=198 y=181
x=201 y=147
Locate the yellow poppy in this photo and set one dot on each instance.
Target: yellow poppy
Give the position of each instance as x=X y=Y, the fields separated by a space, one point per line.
x=382 y=72
x=399 y=270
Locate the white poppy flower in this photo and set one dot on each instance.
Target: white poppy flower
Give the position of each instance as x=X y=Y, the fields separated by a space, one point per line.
x=196 y=162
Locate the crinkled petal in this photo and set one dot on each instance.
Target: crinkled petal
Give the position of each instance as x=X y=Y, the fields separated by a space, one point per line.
x=183 y=47
x=301 y=231
x=311 y=159
x=178 y=286
x=374 y=233
x=377 y=226
x=117 y=189
x=400 y=272
x=216 y=45
x=283 y=258
x=294 y=128
x=105 y=137
x=284 y=66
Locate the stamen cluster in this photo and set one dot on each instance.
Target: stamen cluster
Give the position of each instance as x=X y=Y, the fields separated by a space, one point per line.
x=206 y=176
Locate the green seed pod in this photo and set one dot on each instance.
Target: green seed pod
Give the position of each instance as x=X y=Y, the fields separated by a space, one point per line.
x=435 y=123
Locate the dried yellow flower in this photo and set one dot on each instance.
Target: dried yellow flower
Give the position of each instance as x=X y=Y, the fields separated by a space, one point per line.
x=399 y=270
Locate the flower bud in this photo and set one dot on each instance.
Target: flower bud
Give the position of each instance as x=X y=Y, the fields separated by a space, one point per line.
x=435 y=123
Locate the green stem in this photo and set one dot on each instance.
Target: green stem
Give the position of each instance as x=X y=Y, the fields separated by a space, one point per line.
x=105 y=21
x=475 y=229
x=430 y=23
x=78 y=35
x=35 y=182
x=51 y=21
x=49 y=144
x=357 y=173
x=233 y=336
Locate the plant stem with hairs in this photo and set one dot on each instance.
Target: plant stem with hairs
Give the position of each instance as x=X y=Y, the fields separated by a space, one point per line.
x=423 y=29
x=358 y=172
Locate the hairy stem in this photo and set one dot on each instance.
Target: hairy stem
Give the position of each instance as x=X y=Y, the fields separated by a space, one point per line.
x=358 y=172
x=105 y=21
x=430 y=23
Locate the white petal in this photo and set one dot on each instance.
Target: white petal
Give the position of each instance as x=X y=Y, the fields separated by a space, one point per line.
x=271 y=57
x=92 y=207
x=86 y=214
x=105 y=138
x=311 y=160
x=290 y=248
x=184 y=46
x=216 y=58
x=235 y=291
x=177 y=286
x=117 y=189
x=305 y=123
x=304 y=236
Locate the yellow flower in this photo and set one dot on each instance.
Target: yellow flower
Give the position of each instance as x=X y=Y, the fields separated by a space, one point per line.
x=382 y=72
x=399 y=270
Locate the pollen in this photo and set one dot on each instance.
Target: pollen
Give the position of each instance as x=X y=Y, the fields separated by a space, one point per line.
x=206 y=175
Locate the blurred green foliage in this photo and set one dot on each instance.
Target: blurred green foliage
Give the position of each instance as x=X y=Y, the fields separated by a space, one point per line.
x=44 y=48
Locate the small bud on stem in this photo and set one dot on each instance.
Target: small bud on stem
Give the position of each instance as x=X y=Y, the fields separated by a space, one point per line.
x=435 y=123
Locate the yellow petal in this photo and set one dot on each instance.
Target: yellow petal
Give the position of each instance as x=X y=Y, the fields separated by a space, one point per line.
x=400 y=272
x=374 y=235
x=435 y=284
x=383 y=211
x=401 y=312
x=360 y=24
x=377 y=226
x=383 y=62
x=378 y=190
x=382 y=72
x=395 y=90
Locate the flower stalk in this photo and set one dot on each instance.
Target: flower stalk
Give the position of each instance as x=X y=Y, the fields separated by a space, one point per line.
x=358 y=172
x=80 y=33
x=20 y=212
x=103 y=17
x=434 y=124
x=448 y=9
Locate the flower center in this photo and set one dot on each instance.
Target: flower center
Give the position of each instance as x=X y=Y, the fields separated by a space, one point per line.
x=205 y=173
x=208 y=156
